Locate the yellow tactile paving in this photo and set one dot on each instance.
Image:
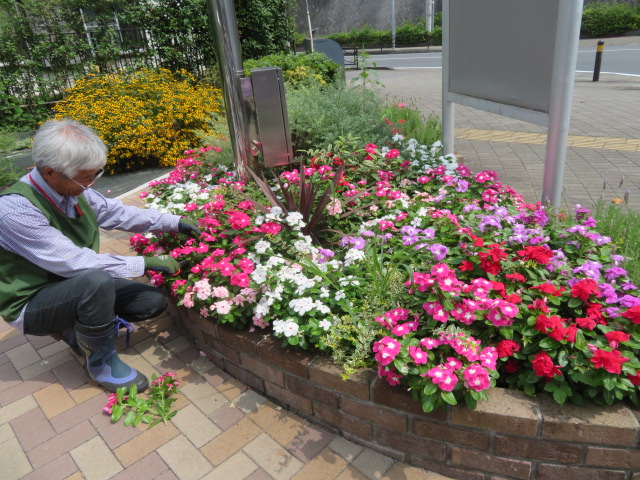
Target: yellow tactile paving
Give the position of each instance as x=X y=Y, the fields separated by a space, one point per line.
x=604 y=143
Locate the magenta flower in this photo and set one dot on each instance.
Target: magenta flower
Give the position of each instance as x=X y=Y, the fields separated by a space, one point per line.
x=419 y=356
x=386 y=350
x=476 y=378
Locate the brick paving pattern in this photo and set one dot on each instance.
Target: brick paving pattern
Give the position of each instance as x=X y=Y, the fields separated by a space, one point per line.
x=51 y=421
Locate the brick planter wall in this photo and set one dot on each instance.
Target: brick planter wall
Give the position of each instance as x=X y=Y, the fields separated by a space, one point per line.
x=509 y=437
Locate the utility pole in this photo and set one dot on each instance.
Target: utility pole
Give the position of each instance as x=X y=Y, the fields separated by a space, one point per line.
x=309 y=24
x=430 y=16
x=393 y=24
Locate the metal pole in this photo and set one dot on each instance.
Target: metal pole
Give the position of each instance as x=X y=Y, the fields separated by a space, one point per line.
x=393 y=24
x=429 y=16
x=448 y=125
x=570 y=13
x=227 y=48
x=598 y=64
x=309 y=25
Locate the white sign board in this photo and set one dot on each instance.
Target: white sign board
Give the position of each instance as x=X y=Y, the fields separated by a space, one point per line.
x=514 y=58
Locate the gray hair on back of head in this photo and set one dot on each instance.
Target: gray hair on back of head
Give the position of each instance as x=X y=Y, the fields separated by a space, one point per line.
x=67 y=146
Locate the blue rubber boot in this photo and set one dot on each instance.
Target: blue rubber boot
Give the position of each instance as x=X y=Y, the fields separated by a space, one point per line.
x=102 y=362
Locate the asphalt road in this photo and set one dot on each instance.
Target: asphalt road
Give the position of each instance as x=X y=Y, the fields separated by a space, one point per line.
x=616 y=59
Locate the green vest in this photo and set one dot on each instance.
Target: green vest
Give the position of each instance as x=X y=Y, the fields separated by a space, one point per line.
x=19 y=278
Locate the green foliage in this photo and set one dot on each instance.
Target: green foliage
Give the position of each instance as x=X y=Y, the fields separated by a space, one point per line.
x=409 y=121
x=300 y=71
x=319 y=117
x=8 y=172
x=601 y=19
x=266 y=26
x=180 y=29
x=406 y=34
x=623 y=226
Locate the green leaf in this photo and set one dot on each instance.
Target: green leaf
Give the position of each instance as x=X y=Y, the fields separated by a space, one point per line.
x=138 y=419
x=574 y=302
x=120 y=393
x=129 y=417
x=429 y=389
x=470 y=400
x=609 y=381
x=116 y=413
x=562 y=358
x=428 y=403
x=449 y=397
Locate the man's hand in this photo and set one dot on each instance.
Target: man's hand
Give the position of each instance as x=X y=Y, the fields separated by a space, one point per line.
x=189 y=226
x=162 y=263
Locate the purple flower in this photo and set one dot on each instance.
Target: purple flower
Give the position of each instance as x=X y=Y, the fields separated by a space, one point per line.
x=438 y=251
x=614 y=273
x=629 y=301
x=409 y=240
x=429 y=233
x=462 y=186
x=612 y=312
x=489 y=221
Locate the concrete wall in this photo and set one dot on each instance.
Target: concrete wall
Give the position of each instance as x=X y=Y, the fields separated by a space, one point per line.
x=335 y=16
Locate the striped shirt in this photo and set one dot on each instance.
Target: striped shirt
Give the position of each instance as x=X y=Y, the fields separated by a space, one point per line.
x=25 y=231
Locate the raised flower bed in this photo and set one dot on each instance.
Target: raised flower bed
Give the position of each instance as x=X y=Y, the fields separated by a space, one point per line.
x=444 y=281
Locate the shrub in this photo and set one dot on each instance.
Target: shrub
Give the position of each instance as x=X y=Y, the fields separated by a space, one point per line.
x=310 y=70
x=600 y=19
x=319 y=117
x=408 y=121
x=146 y=118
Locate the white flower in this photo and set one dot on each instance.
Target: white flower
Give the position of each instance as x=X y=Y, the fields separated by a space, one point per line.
x=294 y=219
x=301 y=305
x=340 y=295
x=259 y=275
x=325 y=325
x=287 y=327
x=353 y=255
x=398 y=137
x=262 y=246
x=291 y=329
x=324 y=292
x=321 y=307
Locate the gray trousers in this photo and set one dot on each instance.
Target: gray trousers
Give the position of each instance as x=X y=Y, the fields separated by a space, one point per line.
x=92 y=299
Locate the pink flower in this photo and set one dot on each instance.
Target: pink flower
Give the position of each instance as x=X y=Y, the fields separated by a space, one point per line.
x=476 y=378
x=220 y=292
x=240 y=280
x=386 y=350
x=270 y=228
x=222 y=307
x=419 y=356
x=429 y=343
x=393 y=153
x=443 y=377
x=111 y=401
x=239 y=220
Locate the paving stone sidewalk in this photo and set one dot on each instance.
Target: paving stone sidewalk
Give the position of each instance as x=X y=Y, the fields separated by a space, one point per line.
x=52 y=426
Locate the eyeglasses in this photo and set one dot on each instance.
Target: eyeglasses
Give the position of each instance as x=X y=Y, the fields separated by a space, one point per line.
x=92 y=178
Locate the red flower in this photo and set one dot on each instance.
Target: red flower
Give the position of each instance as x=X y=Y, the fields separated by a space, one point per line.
x=610 y=361
x=587 y=323
x=616 y=337
x=466 y=266
x=584 y=289
x=505 y=348
x=516 y=277
x=511 y=366
x=543 y=366
x=539 y=304
x=550 y=289
x=635 y=379
x=543 y=323
x=633 y=314
x=539 y=254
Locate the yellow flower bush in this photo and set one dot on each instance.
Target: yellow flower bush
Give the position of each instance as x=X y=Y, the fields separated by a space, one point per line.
x=146 y=118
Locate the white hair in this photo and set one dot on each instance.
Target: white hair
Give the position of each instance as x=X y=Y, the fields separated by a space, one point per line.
x=67 y=146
